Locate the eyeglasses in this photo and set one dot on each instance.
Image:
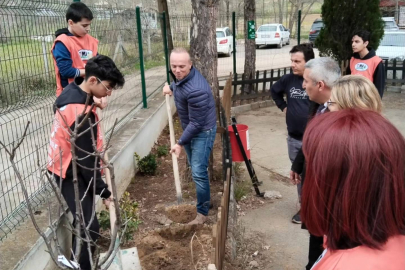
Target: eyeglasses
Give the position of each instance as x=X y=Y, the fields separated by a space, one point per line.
x=330 y=103
x=109 y=90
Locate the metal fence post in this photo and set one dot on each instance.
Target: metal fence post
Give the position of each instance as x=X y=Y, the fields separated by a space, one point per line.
x=234 y=41
x=45 y=54
x=142 y=66
x=299 y=27
x=166 y=48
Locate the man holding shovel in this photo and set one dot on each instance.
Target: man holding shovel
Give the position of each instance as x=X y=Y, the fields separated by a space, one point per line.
x=196 y=108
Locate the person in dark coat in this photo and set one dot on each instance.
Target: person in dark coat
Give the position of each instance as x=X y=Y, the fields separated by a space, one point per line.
x=196 y=108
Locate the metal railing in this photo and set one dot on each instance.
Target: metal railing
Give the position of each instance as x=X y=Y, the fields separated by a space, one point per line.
x=27 y=84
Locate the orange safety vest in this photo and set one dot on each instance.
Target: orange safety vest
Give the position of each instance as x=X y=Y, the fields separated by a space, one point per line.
x=60 y=145
x=364 y=68
x=81 y=50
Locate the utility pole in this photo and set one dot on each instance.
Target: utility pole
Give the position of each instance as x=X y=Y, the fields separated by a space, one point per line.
x=396 y=12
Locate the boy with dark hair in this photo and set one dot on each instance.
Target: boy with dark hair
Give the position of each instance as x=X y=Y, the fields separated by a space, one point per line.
x=73 y=46
x=102 y=77
x=297 y=104
x=365 y=62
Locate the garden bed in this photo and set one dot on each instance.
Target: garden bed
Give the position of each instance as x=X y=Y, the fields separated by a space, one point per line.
x=162 y=237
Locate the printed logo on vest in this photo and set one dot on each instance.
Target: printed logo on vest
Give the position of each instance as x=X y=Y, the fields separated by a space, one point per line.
x=85 y=54
x=361 y=67
x=298 y=93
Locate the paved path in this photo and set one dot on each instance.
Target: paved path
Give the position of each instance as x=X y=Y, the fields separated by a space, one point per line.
x=267 y=129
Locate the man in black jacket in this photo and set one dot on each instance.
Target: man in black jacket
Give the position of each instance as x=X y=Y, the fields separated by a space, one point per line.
x=297 y=103
x=319 y=76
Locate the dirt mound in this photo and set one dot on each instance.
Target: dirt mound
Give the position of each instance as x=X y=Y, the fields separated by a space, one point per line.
x=181 y=213
x=170 y=248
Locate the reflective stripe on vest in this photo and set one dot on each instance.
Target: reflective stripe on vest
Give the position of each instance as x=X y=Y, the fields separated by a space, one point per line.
x=59 y=145
x=365 y=68
x=81 y=50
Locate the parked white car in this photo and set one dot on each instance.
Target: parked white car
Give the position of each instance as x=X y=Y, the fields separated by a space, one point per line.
x=392 y=46
x=224 y=41
x=390 y=24
x=272 y=34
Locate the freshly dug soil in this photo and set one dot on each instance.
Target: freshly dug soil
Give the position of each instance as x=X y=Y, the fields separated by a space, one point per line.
x=181 y=213
x=175 y=248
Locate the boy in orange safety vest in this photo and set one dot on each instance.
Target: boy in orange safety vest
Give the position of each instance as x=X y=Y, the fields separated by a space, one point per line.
x=102 y=76
x=365 y=62
x=73 y=46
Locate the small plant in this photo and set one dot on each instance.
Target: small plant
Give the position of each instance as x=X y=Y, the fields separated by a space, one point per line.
x=146 y=165
x=104 y=220
x=162 y=150
x=129 y=215
x=242 y=188
x=238 y=168
x=129 y=212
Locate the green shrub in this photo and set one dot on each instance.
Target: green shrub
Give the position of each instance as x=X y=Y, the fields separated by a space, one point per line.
x=162 y=150
x=129 y=217
x=146 y=165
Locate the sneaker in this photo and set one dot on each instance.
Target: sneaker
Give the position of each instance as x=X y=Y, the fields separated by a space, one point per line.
x=199 y=219
x=297 y=218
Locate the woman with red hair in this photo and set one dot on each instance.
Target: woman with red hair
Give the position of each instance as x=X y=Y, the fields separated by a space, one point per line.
x=354 y=192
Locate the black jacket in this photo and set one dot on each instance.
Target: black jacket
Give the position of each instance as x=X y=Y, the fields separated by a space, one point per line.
x=298 y=165
x=379 y=73
x=297 y=103
x=73 y=94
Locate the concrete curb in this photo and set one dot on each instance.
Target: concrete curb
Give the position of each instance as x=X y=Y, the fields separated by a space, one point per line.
x=253 y=106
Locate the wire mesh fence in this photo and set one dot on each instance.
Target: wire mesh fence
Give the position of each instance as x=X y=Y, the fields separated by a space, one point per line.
x=27 y=85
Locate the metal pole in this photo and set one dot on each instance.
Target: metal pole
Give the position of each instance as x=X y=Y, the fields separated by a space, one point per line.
x=142 y=67
x=166 y=48
x=234 y=41
x=45 y=54
x=299 y=27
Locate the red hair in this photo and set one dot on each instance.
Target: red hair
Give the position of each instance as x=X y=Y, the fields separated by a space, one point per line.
x=354 y=191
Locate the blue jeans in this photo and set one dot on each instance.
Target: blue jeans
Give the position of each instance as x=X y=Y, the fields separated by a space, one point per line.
x=198 y=153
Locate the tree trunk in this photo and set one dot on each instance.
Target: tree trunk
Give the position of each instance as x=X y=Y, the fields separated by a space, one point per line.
x=280 y=11
x=203 y=47
x=228 y=19
x=274 y=10
x=250 y=45
x=162 y=6
x=203 y=42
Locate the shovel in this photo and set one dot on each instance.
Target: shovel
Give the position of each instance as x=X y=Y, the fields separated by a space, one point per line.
x=174 y=157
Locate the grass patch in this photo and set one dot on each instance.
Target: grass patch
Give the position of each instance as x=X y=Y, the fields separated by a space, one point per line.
x=242 y=189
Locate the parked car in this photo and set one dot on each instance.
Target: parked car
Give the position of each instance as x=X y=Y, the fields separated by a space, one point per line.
x=224 y=41
x=315 y=29
x=390 y=24
x=392 y=46
x=272 y=34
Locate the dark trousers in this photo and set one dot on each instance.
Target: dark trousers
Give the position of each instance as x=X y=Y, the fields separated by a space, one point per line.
x=87 y=205
x=315 y=242
x=315 y=250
